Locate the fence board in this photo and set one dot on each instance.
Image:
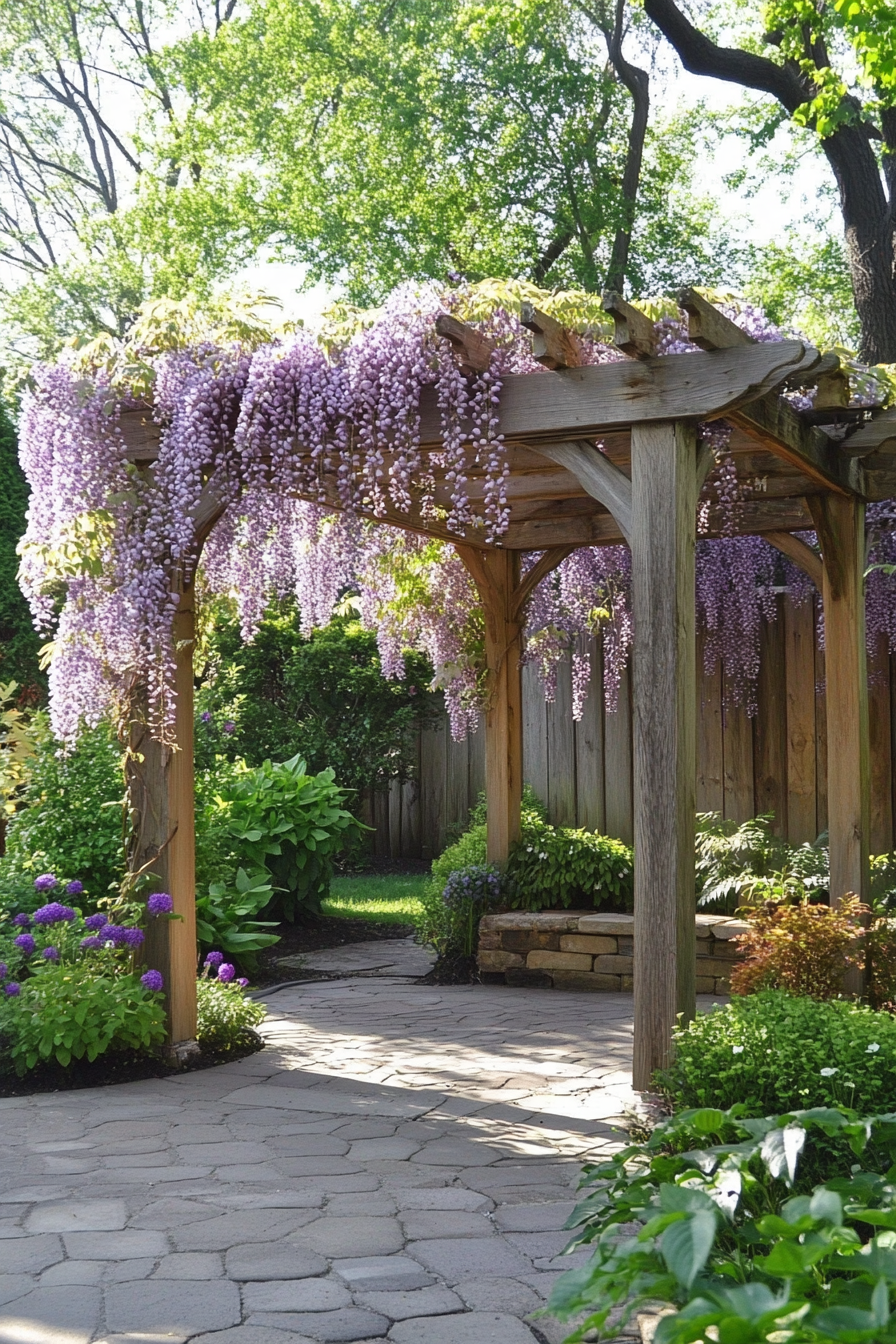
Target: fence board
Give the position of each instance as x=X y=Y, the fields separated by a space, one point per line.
x=737 y=729
x=432 y=791
x=457 y=794
x=770 y=726
x=476 y=764
x=710 y=751
x=562 y=752
x=881 y=838
x=618 y=755
x=535 y=733
x=799 y=634
x=821 y=736
x=589 y=734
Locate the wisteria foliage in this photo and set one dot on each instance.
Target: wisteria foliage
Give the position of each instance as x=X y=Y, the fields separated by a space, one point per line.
x=337 y=420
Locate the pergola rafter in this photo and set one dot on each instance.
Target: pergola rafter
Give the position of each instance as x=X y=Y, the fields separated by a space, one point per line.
x=598 y=455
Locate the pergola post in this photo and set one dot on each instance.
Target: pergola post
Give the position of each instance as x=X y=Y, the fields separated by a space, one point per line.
x=497 y=576
x=160 y=786
x=664 y=504
x=840 y=522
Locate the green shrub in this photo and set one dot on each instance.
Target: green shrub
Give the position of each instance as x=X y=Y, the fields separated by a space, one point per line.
x=225 y=1017
x=718 y=1218
x=292 y=824
x=771 y=1052
x=71 y=817
x=450 y=918
x=736 y=861
x=70 y=1011
x=226 y=916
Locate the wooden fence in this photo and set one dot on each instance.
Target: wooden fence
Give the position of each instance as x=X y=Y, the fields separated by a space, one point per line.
x=774 y=761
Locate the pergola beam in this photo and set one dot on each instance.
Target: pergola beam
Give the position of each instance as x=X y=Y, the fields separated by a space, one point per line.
x=599 y=476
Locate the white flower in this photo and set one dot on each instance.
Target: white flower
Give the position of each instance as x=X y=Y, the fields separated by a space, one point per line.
x=872 y=1049
x=829 y=1073
x=737 y=1049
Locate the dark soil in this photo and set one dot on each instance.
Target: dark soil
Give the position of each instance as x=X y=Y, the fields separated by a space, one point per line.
x=117 y=1067
x=459 y=970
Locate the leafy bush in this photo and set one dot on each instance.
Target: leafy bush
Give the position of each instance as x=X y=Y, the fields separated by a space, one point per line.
x=292 y=824
x=225 y=917
x=880 y=943
x=71 y=817
x=225 y=1017
x=65 y=1012
x=548 y=867
x=803 y=948
x=450 y=919
x=771 y=1051
x=736 y=861
x=716 y=1217
x=324 y=698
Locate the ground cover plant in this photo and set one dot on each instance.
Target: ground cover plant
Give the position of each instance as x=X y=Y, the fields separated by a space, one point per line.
x=778 y=1229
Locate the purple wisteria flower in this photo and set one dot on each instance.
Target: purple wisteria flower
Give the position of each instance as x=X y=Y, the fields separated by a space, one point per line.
x=12 y=988
x=51 y=953
x=75 y=888
x=214 y=959
x=25 y=943
x=96 y=921
x=22 y=921
x=226 y=972
x=160 y=903
x=152 y=980
x=54 y=913
x=91 y=944
x=46 y=882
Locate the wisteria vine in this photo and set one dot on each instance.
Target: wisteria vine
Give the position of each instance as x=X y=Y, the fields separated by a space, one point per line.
x=110 y=545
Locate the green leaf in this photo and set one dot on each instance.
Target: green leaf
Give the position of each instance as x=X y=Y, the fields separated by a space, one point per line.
x=686 y=1245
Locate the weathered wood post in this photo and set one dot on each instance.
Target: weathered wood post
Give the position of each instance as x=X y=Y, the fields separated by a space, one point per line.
x=664 y=506
x=160 y=788
x=840 y=522
x=496 y=574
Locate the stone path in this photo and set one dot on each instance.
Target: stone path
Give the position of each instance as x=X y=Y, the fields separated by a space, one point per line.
x=396 y=1164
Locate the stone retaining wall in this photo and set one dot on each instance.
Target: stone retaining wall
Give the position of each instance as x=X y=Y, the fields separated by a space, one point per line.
x=578 y=949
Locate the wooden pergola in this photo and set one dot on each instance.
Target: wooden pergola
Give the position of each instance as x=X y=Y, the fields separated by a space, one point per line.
x=640 y=486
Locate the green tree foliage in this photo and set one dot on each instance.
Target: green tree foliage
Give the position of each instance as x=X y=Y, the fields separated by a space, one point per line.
x=324 y=698
x=409 y=139
x=19 y=644
x=828 y=66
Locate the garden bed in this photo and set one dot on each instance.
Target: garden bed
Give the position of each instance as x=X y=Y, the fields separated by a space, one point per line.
x=582 y=950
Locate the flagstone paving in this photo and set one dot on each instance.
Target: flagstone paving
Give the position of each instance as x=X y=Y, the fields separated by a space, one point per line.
x=397 y=1164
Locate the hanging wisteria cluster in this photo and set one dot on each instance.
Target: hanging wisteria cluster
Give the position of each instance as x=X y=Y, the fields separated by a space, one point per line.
x=245 y=427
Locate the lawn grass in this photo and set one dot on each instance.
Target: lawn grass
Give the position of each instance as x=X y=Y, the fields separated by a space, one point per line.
x=393 y=898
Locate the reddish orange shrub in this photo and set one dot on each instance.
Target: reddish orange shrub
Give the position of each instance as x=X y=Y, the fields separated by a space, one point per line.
x=802 y=948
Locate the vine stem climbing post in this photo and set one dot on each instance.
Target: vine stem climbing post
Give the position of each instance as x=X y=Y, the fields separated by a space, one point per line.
x=664 y=506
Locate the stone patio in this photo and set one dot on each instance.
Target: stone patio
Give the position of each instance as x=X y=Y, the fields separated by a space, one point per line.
x=397 y=1163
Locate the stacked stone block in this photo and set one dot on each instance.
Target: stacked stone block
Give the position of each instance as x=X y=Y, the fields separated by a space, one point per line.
x=578 y=949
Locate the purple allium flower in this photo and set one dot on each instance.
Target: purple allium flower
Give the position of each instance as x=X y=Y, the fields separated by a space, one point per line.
x=96 y=921
x=22 y=921
x=26 y=943
x=160 y=904
x=3 y=970
x=51 y=953
x=122 y=935
x=12 y=988
x=75 y=888
x=226 y=972
x=152 y=980
x=54 y=913
x=46 y=882
x=242 y=982
x=205 y=716
x=91 y=944
x=229 y=727
x=214 y=959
